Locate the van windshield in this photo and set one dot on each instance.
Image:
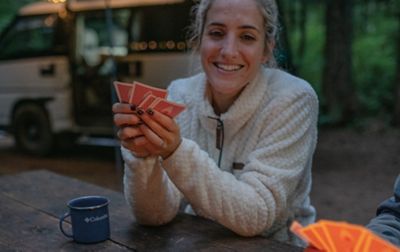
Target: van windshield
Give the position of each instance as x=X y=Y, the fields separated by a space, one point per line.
x=31 y=36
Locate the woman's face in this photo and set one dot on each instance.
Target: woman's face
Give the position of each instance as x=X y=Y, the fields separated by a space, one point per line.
x=232 y=45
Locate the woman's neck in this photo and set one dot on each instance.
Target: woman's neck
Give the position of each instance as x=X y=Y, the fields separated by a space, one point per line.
x=221 y=102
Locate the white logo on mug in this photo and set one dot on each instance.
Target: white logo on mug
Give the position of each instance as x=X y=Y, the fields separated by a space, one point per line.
x=94 y=219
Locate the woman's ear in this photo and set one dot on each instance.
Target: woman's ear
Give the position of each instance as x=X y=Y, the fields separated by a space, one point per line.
x=269 y=49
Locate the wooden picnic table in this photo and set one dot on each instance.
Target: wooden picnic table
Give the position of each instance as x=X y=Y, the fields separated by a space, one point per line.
x=32 y=202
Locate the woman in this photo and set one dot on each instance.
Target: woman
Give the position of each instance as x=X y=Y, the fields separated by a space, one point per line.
x=240 y=154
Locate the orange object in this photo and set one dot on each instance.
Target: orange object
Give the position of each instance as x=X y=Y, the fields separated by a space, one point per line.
x=334 y=236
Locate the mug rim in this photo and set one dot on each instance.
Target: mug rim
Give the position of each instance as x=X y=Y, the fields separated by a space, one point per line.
x=107 y=201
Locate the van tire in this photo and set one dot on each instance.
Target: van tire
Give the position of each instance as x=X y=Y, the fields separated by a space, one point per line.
x=32 y=130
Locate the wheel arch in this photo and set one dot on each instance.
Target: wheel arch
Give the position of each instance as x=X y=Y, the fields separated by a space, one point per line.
x=36 y=101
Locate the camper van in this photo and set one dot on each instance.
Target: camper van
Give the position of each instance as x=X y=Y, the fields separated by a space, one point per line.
x=58 y=62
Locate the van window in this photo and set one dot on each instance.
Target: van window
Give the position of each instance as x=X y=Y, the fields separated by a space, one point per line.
x=29 y=37
x=159 y=28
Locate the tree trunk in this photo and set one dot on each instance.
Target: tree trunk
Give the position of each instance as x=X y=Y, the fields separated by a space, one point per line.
x=284 y=51
x=303 y=30
x=339 y=99
x=396 y=113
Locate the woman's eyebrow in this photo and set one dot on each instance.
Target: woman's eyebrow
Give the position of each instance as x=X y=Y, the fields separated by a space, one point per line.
x=243 y=27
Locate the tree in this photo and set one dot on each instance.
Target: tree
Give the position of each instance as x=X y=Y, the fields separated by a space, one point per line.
x=284 y=51
x=396 y=114
x=339 y=104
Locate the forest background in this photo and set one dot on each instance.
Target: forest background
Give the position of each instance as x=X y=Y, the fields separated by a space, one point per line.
x=349 y=51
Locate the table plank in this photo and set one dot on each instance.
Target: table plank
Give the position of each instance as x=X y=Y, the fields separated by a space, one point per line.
x=49 y=192
x=24 y=228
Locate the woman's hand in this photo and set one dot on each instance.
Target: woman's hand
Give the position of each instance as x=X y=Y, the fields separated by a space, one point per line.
x=161 y=131
x=129 y=133
x=146 y=133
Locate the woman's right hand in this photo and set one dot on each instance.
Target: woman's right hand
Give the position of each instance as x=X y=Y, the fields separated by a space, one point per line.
x=129 y=132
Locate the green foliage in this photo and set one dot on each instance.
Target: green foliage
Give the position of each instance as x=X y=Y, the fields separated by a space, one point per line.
x=374 y=64
x=374 y=41
x=374 y=74
x=310 y=66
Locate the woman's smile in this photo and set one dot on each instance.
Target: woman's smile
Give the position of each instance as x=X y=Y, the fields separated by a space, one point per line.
x=228 y=67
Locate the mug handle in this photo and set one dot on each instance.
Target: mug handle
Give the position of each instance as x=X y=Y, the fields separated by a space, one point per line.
x=62 y=219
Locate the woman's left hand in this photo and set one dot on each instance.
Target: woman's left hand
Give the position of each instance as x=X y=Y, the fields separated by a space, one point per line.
x=161 y=131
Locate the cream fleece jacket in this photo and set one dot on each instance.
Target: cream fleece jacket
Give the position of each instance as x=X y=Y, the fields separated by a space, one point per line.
x=270 y=131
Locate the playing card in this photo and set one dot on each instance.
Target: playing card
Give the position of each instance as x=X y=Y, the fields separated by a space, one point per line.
x=140 y=91
x=315 y=240
x=358 y=236
x=342 y=236
x=145 y=104
x=331 y=236
x=123 y=91
x=168 y=108
x=374 y=243
x=320 y=233
x=306 y=234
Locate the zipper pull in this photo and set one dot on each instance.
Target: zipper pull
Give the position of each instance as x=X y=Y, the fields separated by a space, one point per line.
x=219 y=138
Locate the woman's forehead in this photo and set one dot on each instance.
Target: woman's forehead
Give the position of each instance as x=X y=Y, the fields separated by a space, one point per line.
x=235 y=11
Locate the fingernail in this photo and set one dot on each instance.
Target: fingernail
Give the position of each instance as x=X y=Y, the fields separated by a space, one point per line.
x=150 y=111
x=133 y=107
x=139 y=111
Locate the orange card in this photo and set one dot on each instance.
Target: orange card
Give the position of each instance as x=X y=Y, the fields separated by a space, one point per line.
x=376 y=244
x=323 y=236
x=306 y=235
x=315 y=239
x=345 y=237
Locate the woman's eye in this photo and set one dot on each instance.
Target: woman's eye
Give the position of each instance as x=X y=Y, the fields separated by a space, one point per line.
x=247 y=37
x=216 y=34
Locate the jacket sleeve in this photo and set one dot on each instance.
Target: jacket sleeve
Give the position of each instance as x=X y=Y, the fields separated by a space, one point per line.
x=257 y=199
x=151 y=196
x=387 y=221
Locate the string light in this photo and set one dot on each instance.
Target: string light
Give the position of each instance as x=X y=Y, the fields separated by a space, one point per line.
x=57 y=1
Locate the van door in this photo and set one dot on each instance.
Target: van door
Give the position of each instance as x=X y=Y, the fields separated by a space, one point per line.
x=34 y=86
x=94 y=66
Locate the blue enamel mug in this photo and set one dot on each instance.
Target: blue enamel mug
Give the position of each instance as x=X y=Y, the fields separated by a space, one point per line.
x=89 y=219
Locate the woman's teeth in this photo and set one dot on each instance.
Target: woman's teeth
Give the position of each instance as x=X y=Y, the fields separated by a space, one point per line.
x=229 y=68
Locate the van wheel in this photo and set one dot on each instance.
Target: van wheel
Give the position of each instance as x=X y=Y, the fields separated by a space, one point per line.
x=32 y=130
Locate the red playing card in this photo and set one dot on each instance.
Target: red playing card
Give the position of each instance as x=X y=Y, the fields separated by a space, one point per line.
x=145 y=104
x=141 y=91
x=123 y=91
x=169 y=108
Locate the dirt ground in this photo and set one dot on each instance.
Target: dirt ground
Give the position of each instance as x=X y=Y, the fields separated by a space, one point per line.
x=353 y=171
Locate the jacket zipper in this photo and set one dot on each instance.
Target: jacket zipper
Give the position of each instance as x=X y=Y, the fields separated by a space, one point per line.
x=219 y=141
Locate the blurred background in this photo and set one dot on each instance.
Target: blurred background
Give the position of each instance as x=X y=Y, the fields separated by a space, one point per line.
x=348 y=50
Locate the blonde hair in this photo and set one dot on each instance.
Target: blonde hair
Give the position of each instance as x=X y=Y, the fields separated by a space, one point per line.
x=269 y=11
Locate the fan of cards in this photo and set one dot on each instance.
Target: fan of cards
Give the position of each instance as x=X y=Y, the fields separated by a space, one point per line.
x=332 y=236
x=145 y=97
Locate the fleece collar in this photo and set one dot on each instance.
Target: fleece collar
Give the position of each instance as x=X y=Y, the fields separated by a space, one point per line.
x=241 y=110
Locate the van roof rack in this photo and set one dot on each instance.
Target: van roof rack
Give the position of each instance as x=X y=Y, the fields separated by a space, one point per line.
x=80 y=5
x=39 y=8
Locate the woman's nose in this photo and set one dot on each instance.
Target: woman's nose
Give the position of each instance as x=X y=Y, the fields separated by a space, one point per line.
x=229 y=47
